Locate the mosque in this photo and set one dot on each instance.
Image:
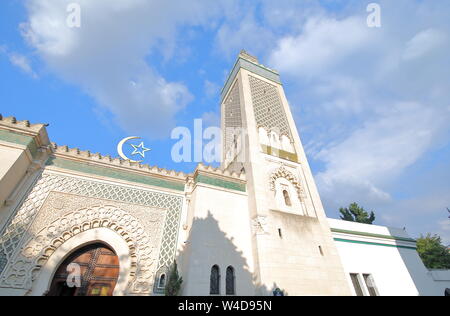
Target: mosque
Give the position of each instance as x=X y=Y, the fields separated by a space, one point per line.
x=247 y=228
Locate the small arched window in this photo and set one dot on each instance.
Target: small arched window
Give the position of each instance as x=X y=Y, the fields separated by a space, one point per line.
x=287 y=199
x=230 y=281
x=162 y=281
x=215 y=280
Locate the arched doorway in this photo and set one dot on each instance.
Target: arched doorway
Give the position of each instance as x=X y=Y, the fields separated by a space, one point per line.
x=99 y=271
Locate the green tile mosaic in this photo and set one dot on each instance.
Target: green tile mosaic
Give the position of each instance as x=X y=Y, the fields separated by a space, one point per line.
x=112 y=173
x=220 y=183
x=20 y=139
x=252 y=67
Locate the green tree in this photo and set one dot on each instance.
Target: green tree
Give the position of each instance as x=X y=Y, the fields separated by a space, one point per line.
x=433 y=253
x=355 y=213
x=174 y=282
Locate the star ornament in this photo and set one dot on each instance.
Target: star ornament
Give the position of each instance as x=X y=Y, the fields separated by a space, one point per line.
x=139 y=150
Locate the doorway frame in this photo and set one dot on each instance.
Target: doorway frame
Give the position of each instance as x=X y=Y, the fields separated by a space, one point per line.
x=97 y=235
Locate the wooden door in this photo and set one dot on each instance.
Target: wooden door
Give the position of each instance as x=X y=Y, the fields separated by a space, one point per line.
x=99 y=270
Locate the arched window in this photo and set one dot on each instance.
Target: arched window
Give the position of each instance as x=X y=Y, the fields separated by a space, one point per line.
x=215 y=280
x=230 y=281
x=162 y=281
x=287 y=199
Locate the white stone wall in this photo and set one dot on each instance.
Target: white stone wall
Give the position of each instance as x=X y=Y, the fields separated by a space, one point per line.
x=219 y=232
x=13 y=165
x=396 y=269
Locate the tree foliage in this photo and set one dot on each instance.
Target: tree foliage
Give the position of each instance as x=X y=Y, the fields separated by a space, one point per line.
x=174 y=282
x=355 y=213
x=433 y=253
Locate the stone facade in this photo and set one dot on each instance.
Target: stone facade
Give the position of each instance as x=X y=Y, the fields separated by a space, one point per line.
x=256 y=222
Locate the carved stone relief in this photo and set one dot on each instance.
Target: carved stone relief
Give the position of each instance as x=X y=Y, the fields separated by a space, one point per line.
x=282 y=172
x=260 y=225
x=64 y=216
x=59 y=207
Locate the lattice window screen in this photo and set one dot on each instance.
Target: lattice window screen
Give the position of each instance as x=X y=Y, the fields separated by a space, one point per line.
x=233 y=118
x=269 y=111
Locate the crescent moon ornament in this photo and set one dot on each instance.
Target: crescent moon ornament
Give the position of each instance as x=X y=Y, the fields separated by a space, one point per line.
x=120 y=148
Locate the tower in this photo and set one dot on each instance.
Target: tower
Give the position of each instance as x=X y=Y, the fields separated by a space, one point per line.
x=291 y=241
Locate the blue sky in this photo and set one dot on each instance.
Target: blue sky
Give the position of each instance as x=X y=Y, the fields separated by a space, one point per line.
x=372 y=104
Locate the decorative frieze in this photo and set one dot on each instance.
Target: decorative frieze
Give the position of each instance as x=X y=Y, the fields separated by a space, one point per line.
x=282 y=172
x=141 y=229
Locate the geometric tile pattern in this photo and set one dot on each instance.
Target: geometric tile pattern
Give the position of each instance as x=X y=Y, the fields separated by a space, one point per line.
x=233 y=119
x=15 y=230
x=269 y=112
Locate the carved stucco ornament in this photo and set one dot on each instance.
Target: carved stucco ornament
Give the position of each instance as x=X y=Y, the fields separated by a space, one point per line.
x=37 y=251
x=260 y=225
x=282 y=172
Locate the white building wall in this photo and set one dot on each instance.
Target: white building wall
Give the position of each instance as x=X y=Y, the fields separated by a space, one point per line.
x=219 y=234
x=394 y=263
x=13 y=165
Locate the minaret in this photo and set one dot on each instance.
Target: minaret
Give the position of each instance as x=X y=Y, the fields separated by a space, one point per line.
x=292 y=244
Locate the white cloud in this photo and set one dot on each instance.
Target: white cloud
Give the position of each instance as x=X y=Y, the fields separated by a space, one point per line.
x=211 y=119
x=23 y=63
x=322 y=43
x=423 y=43
x=378 y=151
x=211 y=89
x=243 y=34
x=106 y=57
x=422 y=213
x=256 y=25
x=374 y=103
x=20 y=61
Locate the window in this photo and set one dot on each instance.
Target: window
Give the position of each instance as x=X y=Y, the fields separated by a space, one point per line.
x=287 y=199
x=356 y=284
x=215 y=281
x=162 y=281
x=370 y=283
x=230 y=280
